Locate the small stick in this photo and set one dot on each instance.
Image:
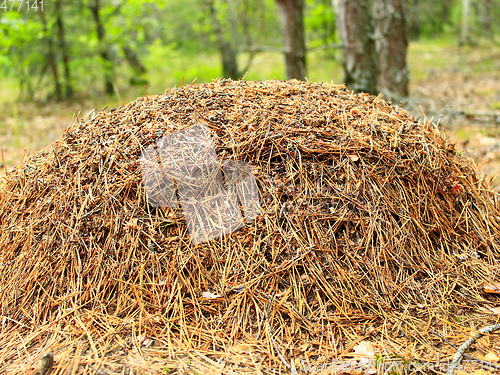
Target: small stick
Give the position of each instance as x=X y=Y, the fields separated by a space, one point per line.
x=46 y=364
x=97 y=371
x=4 y=165
x=466 y=345
x=484 y=363
x=292 y=370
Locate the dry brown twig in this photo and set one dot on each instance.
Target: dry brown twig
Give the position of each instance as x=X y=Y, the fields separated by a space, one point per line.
x=466 y=345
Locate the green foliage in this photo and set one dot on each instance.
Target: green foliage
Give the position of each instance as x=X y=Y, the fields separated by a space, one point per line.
x=429 y=18
x=21 y=49
x=170 y=66
x=245 y=23
x=175 y=39
x=320 y=23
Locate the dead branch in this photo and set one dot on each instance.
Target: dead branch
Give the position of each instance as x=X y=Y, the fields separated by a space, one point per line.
x=460 y=353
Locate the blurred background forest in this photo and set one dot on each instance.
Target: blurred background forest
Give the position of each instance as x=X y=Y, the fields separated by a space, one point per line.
x=82 y=54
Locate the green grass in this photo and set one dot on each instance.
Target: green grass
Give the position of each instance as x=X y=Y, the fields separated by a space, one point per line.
x=9 y=90
x=495 y=106
x=438 y=55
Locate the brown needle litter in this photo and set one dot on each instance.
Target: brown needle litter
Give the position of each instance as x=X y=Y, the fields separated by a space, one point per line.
x=372 y=226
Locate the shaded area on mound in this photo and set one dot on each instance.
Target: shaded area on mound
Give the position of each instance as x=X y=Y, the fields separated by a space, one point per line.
x=366 y=215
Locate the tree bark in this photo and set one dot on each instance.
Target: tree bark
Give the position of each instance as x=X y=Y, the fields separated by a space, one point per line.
x=133 y=60
x=391 y=46
x=356 y=31
x=104 y=52
x=68 y=89
x=246 y=26
x=51 y=58
x=228 y=51
x=486 y=18
x=292 y=13
x=464 y=30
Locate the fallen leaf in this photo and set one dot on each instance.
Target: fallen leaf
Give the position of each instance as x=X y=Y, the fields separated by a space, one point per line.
x=364 y=349
x=491 y=357
x=210 y=295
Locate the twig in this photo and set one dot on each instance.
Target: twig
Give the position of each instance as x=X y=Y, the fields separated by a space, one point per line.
x=256 y=49
x=484 y=363
x=4 y=165
x=442 y=338
x=326 y=46
x=100 y=372
x=288 y=366
x=466 y=345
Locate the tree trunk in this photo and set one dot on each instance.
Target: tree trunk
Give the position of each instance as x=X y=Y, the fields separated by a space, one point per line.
x=245 y=23
x=293 y=29
x=487 y=19
x=391 y=46
x=413 y=19
x=464 y=32
x=68 y=90
x=228 y=52
x=356 y=31
x=133 y=60
x=51 y=58
x=104 y=52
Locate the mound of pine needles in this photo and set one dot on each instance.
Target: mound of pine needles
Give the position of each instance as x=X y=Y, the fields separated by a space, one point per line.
x=372 y=227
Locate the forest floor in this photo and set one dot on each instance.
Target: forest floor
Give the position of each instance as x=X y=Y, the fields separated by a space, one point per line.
x=457 y=87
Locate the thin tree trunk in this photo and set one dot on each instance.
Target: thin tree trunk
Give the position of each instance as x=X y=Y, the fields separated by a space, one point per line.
x=63 y=48
x=245 y=24
x=414 y=23
x=104 y=52
x=133 y=60
x=356 y=31
x=228 y=52
x=292 y=13
x=391 y=46
x=487 y=19
x=51 y=58
x=464 y=35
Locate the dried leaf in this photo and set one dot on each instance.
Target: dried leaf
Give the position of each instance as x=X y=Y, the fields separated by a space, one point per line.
x=364 y=349
x=210 y=295
x=491 y=357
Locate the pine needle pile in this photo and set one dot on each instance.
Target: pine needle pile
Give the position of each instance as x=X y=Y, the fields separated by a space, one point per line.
x=372 y=226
